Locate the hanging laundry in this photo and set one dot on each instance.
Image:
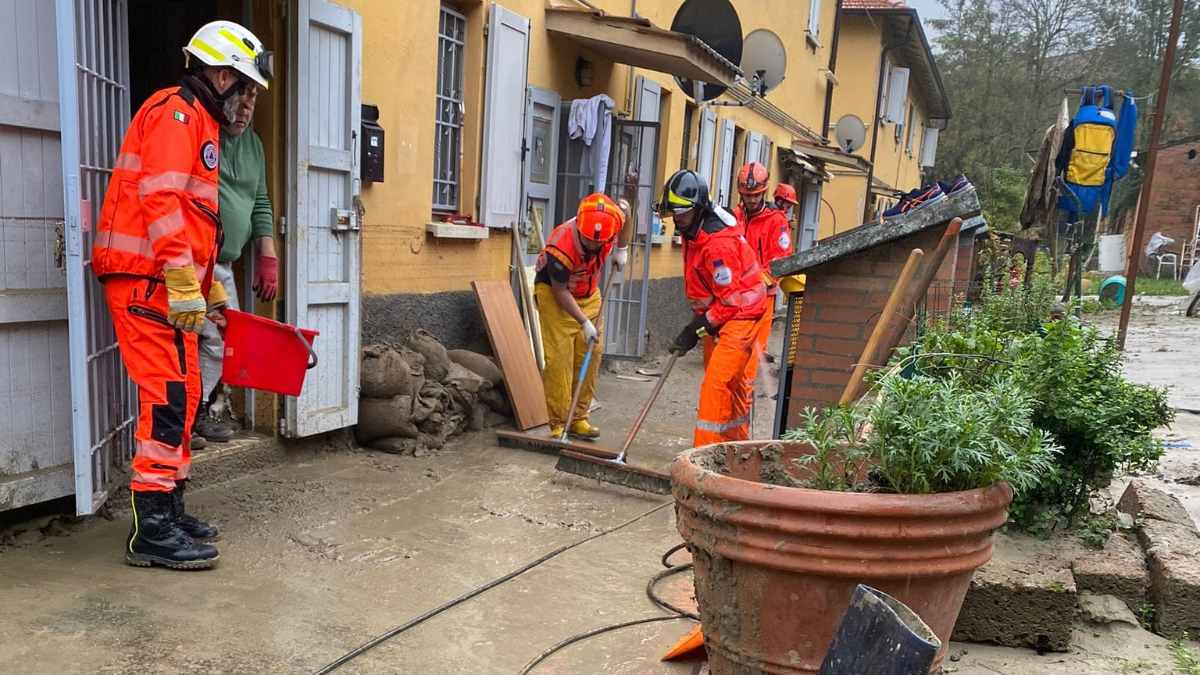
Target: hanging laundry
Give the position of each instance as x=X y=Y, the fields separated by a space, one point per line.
x=1096 y=150
x=590 y=121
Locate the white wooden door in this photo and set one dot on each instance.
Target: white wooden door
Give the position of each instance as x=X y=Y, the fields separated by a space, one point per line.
x=504 y=118
x=35 y=425
x=94 y=110
x=323 y=222
x=541 y=167
x=725 y=177
x=708 y=137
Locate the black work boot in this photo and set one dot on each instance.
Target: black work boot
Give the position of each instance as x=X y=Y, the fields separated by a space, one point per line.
x=212 y=429
x=191 y=525
x=154 y=538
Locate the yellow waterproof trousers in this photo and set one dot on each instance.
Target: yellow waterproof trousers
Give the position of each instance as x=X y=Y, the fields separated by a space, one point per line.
x=564 y=349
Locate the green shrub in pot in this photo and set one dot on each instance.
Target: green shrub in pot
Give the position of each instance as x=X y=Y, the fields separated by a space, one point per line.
x=923 y=435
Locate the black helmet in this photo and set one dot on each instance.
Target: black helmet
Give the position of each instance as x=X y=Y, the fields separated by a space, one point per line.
x=684 y=191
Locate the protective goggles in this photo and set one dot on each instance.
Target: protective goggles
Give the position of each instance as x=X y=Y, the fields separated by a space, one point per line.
x=265 y=62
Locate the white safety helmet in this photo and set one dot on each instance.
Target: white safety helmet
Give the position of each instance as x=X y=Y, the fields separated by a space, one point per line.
x=227 y=44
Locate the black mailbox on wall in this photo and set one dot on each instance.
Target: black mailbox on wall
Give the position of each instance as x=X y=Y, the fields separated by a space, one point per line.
x=372 y=145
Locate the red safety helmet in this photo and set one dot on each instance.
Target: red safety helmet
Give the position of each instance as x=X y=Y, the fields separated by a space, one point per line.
x=786 y=193
x=752 y=179
x=599 y=218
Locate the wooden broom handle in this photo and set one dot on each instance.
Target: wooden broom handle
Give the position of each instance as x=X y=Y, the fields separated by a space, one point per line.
x=854 y=387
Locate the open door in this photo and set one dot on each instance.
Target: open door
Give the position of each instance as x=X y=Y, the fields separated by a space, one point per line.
x=93 y=94
x=633 y=166
x=323 y=220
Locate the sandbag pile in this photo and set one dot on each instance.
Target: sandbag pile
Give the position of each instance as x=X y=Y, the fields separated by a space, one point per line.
x=417 y=394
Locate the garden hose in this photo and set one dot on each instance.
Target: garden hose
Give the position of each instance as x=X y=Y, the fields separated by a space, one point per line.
x=375 y=642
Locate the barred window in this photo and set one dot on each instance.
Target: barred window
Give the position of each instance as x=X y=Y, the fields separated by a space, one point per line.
x=447 y=140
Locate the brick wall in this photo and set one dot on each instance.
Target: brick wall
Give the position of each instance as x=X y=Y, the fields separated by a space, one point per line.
x=1176 y=193
x=842 y=302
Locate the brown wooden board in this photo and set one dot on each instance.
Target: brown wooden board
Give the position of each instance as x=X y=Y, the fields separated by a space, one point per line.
x=510 y=342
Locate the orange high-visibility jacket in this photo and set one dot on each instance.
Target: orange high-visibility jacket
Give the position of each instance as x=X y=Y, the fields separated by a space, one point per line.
x=722 y=277
x=769 y=233
x=564 y=244
x=161 y=208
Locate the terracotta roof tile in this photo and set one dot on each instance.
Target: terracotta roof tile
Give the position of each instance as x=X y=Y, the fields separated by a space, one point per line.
x=872 y=4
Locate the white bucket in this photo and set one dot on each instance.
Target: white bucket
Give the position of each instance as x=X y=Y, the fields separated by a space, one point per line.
x=1112 y=252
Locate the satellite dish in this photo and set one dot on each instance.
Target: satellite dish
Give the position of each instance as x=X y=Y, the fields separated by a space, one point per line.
x=716 y=23
x=764 y=60
x=850 y=133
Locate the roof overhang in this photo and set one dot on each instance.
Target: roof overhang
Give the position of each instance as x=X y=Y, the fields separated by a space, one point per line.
x=902 y=26
x=828 y=155
x=637 y=42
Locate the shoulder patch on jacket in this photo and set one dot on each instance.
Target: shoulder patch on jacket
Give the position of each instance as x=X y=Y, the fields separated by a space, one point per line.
x=722 y=275
x=180 y=116
x=208 y=153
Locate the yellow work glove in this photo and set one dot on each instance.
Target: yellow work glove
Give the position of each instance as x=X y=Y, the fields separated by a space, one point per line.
x=185 y=303
x=217 y=297
x=792 y=284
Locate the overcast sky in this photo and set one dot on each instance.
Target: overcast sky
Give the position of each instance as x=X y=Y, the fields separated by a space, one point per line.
x=928 y=9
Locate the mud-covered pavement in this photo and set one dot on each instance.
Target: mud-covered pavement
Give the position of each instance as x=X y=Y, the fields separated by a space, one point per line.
x=323 y=550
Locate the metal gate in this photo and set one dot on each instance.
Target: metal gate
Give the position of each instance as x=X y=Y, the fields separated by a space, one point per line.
x=324 y=223
x=93 y=81
x=631 y=172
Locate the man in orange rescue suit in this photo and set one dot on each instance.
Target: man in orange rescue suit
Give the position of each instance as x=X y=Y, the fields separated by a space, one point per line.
x=154 y=251
x=724 y=284
x=767 y=230
x=567 y=292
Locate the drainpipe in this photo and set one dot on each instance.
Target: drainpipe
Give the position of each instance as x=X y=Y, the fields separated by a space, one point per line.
x=833 y=51
x=875 y=124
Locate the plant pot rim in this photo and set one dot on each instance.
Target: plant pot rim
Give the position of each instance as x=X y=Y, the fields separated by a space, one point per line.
x=685 y=472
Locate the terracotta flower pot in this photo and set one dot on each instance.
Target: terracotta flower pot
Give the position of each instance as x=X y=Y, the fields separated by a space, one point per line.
x=776 y=566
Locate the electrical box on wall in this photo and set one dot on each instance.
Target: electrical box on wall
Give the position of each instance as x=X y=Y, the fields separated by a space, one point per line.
x=372 y=145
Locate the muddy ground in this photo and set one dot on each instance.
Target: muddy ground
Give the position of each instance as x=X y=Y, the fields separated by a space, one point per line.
x=323 y=550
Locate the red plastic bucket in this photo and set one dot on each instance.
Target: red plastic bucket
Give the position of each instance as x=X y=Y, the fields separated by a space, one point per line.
x=266 y=355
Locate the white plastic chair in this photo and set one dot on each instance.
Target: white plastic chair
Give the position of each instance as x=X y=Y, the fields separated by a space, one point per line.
x=1168 y=259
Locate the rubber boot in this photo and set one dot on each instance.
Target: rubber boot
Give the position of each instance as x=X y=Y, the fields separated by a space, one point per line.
x=556 y=431
x=154 y=539
x=191 y=525
x=212 y=429
x=584 y=429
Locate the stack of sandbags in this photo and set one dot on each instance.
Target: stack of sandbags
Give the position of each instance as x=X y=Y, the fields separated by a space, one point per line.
x=417 y=394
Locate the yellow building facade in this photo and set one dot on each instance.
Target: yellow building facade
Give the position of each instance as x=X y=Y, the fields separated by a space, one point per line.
x=889 y=81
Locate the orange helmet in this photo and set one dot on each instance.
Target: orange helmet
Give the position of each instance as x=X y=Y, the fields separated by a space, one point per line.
x=752 y=179
x=786 y=193
x=599 y=218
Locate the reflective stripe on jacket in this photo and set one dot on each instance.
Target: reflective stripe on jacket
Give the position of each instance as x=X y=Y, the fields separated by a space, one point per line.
x=565 y=245
x=722 y=277
x=770 y=236
x=161 y=207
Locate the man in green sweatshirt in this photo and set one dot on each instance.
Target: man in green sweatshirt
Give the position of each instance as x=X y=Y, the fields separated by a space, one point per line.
x=245 y=216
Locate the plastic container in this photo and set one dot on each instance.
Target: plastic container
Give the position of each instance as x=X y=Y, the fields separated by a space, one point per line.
x=1112 y=253
x=266 y=355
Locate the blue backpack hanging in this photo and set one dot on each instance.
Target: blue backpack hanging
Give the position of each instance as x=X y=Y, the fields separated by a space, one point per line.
x=1096 y=150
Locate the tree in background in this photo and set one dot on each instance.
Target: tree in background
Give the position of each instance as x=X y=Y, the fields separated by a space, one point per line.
x=1005 y=64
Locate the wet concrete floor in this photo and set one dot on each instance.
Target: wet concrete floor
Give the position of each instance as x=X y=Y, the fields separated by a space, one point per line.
x=323 y=550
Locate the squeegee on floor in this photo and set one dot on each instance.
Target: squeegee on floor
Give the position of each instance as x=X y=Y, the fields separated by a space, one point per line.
x=614 y=469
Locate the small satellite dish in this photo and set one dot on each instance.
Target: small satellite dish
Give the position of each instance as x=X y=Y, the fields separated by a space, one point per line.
x=716 y=23
x=764 y=60
x=850 y=133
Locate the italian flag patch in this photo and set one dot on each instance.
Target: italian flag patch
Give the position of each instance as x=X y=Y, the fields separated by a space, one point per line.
x=181 y=117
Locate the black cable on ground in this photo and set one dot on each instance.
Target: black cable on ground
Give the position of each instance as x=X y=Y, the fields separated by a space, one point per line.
x=593 y=633
x=375 y=642
x=676 y=613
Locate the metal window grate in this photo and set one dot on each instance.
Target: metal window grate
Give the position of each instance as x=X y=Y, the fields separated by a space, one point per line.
x=447 y=143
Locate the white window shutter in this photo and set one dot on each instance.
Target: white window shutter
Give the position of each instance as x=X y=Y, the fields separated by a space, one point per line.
x=814 y=17
x=504 y=118
x=708 y=137
x=929 y=147
x=897 y=96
